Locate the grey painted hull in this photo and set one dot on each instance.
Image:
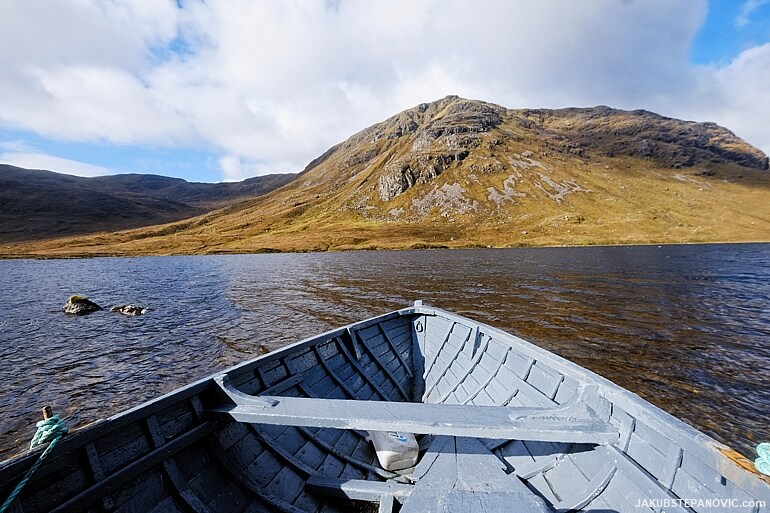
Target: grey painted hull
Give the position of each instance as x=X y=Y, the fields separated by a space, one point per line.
x=503 y=426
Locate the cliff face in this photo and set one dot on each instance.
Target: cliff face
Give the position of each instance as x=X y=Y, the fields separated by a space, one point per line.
x=490 y=159
x=459 y=172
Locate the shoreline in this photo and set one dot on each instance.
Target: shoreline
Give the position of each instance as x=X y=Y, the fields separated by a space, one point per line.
x=414 y=247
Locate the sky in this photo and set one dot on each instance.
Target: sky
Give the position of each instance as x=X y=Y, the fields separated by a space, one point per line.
x=223 y=90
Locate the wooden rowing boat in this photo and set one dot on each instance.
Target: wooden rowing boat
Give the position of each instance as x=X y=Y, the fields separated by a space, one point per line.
x=502 y=426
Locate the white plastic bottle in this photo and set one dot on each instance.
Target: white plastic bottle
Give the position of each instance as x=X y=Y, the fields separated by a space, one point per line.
x=395 y=450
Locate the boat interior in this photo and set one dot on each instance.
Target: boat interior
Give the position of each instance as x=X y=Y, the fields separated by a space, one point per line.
x=501 y=425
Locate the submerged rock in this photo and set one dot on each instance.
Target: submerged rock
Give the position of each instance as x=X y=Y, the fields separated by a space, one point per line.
x=129 y=309
x=79 y=305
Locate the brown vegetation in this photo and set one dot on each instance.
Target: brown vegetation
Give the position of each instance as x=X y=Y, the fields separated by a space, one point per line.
x=460 y=173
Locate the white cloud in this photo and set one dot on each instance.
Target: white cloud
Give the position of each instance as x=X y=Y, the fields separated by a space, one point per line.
x=747 y=9
x=743 y=88
x=235 y=169
x=269 y=85
x=30 y=160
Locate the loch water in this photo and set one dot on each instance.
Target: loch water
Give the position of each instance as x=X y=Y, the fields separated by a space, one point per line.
x=685 y=327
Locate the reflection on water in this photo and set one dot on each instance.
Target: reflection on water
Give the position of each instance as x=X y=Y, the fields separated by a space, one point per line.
x=686 y=327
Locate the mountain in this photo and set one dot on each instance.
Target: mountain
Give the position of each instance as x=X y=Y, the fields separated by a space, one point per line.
x=463 y=173
x=36 y=204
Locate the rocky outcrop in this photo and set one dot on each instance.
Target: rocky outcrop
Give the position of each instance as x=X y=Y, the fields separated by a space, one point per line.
x=80 y=305
x=402 y=174
x=130 y=310
x=612 y=132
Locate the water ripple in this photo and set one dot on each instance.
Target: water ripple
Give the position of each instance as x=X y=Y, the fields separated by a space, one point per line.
x=686 y=327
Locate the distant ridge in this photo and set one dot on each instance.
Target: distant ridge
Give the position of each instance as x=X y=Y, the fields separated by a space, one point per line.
x=37 y=204
x=467 y=173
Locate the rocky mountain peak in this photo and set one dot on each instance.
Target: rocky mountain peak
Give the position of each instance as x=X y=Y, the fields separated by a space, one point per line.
x=458 y=173
x=511 y=154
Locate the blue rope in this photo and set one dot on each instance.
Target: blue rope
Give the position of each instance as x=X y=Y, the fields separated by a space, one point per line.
x=49 y=430
x=762 y=462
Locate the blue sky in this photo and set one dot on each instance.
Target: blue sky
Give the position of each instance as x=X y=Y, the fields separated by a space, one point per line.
x=227 y=90
x=731 y=27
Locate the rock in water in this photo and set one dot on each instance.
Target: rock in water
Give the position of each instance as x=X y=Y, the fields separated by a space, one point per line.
x=80 y=305
x=129 y=309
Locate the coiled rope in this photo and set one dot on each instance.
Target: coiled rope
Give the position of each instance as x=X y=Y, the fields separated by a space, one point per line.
x=762 y=462
x=50 y=430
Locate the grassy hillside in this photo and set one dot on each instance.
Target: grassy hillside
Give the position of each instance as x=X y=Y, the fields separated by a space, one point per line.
x=36 y=204
x=463 y=173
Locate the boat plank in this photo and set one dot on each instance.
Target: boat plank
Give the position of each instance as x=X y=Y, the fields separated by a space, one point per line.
x=623 y=495
x=301 y=362
x=274 y=372
x=248 y=480
x=167 y=505
x=291 y=440
x=636 y=481
x=564 y=476
x=378 y=364
x=599 y=505
x=436 y=334
x=516 y=454
x=336 y=363
x=498 y=390
x=191 y=461
x=363 y=451
x=282 y=386
x=390 y=357
x=207 y=484
x=519 y=363
x=440 y=419
x=116 y=441
x=359 y=371
x=449 y=342
x=543 y=488
x=287 y=485
x=714 y=483
x=246 y=451
x=332 y=466
x=264 y=468
x=530 y=395
x=646 y=455
x=491 y=375
x=231 y=499
x=54 y=493
x=588 y=460
x=566 y=390
x=466 y=368
x=401 y=343
x=170 y=469
x=597 y=485
x=312 y=456
x=357 y=489
x=97 y=473
x=279 y=451
x=654 y=438
x=173 y=412
x=59 y=464
x=308 y=503
x=334 y=376
x=142 y=494
x=342 y=449
x=313 y=377
x=671 y=464
x=324 y=386
x=545 y=380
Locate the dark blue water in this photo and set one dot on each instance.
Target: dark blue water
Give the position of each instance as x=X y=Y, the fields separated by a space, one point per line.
x=686 y=327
